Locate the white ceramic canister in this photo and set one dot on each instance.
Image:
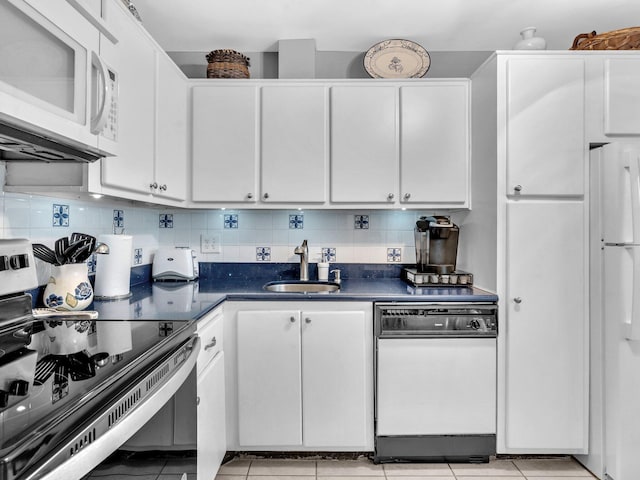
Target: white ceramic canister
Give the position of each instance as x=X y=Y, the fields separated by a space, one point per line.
x=530 y=41
x=68 y=287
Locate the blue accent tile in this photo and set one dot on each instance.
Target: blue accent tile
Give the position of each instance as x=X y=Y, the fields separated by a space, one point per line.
x=361 y=222
x=296 y=222
x=231 y=220
x=91 y=264
x=263 y=254
x=329 y=254
x=137 y=256
x=394 y=254
x=60 y=215
x=166 y=220
x=118 y=218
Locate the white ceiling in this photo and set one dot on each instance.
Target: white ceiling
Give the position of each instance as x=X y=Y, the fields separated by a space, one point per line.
x=355 y=25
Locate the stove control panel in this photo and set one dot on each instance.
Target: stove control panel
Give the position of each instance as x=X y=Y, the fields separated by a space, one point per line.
x=17 y=266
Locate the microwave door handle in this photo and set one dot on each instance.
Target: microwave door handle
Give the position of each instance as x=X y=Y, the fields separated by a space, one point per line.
x=98 y=121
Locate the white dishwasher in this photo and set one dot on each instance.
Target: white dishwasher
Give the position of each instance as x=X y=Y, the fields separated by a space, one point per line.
x=435 y=382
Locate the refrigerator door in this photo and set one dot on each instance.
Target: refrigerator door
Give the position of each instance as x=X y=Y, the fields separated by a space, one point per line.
x=621 y=363
x=621 y=193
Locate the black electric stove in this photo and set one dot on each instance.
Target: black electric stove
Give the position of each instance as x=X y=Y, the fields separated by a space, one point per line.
x=66 y=378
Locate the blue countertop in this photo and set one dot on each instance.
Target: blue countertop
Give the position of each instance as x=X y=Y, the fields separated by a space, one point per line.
x=173 y=301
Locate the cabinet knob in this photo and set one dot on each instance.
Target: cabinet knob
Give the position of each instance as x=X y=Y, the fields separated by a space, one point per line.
x=390 y=196
x=307 y=320
x=292 y=319
x=212 y=344
x=153 y=185
x=249 y=196
x=407 y=196
x=517 y=188
x=163 y=187
x=197 y=401
x=265 y=196
x=517 y=300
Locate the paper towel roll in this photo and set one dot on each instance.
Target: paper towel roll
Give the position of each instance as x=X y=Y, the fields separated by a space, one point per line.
x=113 y=270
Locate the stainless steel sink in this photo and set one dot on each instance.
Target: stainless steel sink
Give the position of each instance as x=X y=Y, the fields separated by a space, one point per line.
x=292 y=286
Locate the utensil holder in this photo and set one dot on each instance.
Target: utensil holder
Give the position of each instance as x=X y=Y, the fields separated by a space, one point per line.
x=68 y=287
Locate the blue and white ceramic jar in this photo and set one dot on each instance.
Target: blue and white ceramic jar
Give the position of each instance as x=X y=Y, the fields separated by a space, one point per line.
x=68 y=287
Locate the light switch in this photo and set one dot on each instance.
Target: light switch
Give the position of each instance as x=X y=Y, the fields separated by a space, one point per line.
x=210 y=243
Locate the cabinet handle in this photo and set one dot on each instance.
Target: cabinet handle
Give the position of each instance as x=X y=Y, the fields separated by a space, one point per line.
x=517 y=188
x=407 y=196
x=517 y=300
x=265 y=196
x=163 y=187
x=153 y=185
x=292 y=319
x=197 y=401
x=212 y=344
x=390 y=196
x=249 y=196
x=307 y=320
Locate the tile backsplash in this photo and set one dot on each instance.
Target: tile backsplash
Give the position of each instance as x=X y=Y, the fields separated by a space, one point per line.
x=345 y=236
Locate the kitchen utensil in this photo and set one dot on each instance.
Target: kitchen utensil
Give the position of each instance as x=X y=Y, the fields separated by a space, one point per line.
x=44 y=253
x=81 y=254
x=61 y=247
x=101 y=248
x=44 y=369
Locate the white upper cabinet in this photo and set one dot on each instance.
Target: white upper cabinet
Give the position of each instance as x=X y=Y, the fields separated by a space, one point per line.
x=294 y=143
x=225 y=142
x=364 y=144
x=171 y=131
x=135 y=59
x=434 y=144
x=545 y=118
x=622 y=96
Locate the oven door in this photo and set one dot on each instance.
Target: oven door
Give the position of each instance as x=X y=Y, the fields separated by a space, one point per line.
x=80 y=444
x=52 y=80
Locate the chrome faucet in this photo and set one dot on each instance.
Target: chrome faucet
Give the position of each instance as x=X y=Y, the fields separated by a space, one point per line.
x=303 y=251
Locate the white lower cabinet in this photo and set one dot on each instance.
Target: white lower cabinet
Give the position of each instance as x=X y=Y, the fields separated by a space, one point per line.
x=304 y=376
x=212 y=440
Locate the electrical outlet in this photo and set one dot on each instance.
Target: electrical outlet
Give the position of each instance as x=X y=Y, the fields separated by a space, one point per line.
x=210 y=243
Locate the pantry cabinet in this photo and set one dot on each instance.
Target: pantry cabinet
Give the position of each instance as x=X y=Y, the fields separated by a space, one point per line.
x=316 y=389
x=530 y=176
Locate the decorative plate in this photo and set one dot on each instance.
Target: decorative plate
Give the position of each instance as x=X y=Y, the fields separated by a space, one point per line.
x=397 y=59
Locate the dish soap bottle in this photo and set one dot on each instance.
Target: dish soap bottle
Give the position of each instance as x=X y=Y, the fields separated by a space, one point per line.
x=530 y=41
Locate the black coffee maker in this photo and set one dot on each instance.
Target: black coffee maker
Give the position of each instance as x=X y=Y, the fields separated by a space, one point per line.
x=436 y=244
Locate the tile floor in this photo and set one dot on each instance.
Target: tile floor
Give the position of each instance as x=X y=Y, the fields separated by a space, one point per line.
x=558 y=468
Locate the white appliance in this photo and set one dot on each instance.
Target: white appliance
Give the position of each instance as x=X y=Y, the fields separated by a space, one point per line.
x=56 y=93
x=615 y=322
x=174 y=263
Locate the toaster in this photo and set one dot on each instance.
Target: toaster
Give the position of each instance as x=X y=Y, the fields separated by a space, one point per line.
x=174 y=264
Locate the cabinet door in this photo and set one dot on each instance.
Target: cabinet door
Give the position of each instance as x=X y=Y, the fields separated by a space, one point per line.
x=546 y=340
x=212 y=441
x=171 y=131
x=294 y=143
x=364 y=145
x=269 y=382
x=545 y=125
x=224 y=143
x=434 y=144
x=335 y=367
x=622 y=96
x=135 y=58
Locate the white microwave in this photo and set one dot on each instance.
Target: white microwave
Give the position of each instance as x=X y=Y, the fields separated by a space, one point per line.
x=52 y=79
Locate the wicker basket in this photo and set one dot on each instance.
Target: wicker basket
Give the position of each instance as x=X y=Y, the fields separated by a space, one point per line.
x=624 y=39
x=227 y=64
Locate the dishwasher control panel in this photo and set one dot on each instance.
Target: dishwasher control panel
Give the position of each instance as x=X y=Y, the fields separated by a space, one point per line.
x=396 y=320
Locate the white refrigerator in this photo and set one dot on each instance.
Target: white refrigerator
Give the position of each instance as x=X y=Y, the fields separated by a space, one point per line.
x=615 y=320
